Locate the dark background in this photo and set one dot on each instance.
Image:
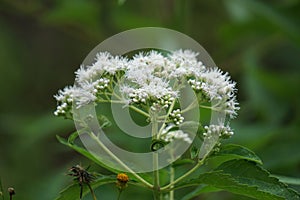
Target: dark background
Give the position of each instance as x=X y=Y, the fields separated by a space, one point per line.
x=42 y=43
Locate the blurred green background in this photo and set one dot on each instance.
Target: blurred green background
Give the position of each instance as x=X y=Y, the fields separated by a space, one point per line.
x=42 y=43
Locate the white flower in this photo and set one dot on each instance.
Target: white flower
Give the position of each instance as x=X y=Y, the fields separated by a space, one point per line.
x=176 y=135
x=221 y=130
x=69 y=95
x=65 y=95
x=104 y=63
x=85 y=74
x=144 y=67
x=83 y=97
x=218 y=87
x=146 y=80
x=184 y=63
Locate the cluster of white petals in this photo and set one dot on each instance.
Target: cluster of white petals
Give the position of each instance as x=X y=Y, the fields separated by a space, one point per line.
x=105 y=63
x=148 y=79
x=176 y=135
x=221 y=130
x=218 y=88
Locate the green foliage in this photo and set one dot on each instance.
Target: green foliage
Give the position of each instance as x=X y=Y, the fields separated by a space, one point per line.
x=245 y=178
x=42 y=42
x=288 y=180
x=233 y=151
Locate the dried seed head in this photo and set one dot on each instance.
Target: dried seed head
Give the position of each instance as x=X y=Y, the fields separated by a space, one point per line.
x=11 y=191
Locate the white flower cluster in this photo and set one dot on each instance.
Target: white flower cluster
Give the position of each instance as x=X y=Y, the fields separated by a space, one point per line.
x=65 y=99
x=163 y=102
x=105 y=64
x=152 y=79
x=92 y=81
x=217 y=87
x=176 y=135
x=176 y=116
x=221 y=130
x=100 y=84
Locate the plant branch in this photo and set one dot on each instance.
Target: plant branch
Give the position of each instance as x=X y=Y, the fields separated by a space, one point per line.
x=119 y=161
x=200 y=162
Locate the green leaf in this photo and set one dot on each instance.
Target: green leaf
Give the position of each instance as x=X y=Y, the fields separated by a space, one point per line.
x=194 y=151
x=288 y=180
x=182 y=162
x=85 y=153
x=245 y=178
x=73 y=191
x=200 y=190
x=232 y=151
x=72 y=137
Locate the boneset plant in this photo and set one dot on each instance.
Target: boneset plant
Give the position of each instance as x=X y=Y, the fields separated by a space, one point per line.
x=154 y=87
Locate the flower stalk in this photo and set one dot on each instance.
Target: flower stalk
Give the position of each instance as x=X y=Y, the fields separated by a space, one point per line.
x=156 y=183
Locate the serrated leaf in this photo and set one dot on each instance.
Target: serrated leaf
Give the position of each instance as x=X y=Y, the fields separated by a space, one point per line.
x=232 y=151
x=72 y=191
x=200 y=190
x=288 y=180
x=245 y=178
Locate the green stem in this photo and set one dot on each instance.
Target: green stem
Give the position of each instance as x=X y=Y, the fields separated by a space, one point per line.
x=156 y=184
x=119 y=161
x=139 y=111
x=132 y=107
x=92 y=192
x=165 y=120
x=119 y=195
x=172 y=177
x=170 y=185
x=211 y=108
x=111 y=101
x=189 y=107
